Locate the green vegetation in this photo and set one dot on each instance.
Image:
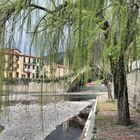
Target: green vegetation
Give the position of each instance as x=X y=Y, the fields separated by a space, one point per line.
x=133 y=125
x=93 y=33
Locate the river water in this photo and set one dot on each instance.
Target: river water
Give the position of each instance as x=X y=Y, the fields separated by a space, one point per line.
x=35 y=116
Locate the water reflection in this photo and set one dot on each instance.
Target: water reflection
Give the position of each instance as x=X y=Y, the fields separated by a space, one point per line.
x=66 y=131
x=71 y=129
x=33 y=116
x=42 y=98
x=59 y=98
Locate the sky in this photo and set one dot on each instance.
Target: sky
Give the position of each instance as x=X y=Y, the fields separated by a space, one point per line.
x=23 y=42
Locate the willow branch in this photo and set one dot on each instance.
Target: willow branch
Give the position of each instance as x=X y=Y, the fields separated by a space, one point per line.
x=41 y=8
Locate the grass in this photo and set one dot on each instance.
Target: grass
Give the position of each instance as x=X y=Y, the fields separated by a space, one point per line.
x=106 y=120
x=133 y=125
x=103 y=106
x=108 y=106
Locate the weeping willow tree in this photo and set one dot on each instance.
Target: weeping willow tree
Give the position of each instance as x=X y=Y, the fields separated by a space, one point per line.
x=73 y=26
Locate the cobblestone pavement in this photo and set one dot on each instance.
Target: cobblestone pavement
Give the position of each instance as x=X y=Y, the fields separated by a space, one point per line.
x=106 y=122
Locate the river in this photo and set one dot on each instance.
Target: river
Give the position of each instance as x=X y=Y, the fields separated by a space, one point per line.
x=34 y=116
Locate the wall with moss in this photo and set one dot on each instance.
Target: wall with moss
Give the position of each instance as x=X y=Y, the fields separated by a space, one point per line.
x=133 y=80
x=50 y=87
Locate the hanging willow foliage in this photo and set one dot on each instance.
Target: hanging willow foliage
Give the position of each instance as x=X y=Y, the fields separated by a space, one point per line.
x=81 y=29
x=79 y=23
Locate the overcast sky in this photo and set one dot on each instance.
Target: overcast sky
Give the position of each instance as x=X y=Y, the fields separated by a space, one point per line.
x=23 y=42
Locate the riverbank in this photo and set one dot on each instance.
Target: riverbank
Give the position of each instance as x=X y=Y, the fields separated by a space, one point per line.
x=106 y=127
x=35 y=121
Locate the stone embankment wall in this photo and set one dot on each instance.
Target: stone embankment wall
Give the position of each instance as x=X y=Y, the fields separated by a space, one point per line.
x=37 y=87
x=133 y=81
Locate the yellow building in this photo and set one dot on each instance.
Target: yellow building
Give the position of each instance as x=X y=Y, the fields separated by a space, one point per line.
x=55 y=70
x=11 y=63
x=31 y=66
x=17 y=65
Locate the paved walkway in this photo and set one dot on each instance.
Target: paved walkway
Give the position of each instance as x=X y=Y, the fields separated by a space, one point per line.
x=106 y=122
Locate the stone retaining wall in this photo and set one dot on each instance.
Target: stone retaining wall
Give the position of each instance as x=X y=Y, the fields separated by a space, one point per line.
x=133 y=81
x=88 y=133
x=37 y=87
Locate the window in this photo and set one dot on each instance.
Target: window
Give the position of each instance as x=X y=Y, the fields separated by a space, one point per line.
x=34 y=61
x=28 y=75
x=17 y=58
x=37 y=75
x=38 y=60
x=23 y=76
x=33 y=75
x=25 y=68
x=24 y=59
x=17 y=75
x=10 y=74
x=29 y=60
x=33 y=67
x=37 y=68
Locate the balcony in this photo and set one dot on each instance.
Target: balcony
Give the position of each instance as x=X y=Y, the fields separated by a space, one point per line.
x=29 y=70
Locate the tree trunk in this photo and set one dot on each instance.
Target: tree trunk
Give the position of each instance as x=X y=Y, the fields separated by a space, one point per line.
x=114 y=70
x=116 y=86
x=109 y=91
x=123 y=105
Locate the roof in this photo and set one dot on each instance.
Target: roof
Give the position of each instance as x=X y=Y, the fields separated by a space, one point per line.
x=16 y=51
